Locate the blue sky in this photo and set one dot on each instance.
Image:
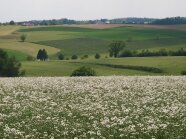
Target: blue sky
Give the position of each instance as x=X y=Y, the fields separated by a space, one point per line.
x=20 y=10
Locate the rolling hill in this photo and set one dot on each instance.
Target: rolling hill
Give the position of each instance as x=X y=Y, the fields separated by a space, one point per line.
x=82 y=40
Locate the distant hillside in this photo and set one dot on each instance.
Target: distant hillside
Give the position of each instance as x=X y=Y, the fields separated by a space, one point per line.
x=170 y=21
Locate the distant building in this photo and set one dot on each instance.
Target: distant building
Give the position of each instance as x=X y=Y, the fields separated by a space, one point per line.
x=102 y=22
x=107 y=22
x=27 y=24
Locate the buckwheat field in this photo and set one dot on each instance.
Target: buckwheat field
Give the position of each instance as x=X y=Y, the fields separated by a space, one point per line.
x=93 y=108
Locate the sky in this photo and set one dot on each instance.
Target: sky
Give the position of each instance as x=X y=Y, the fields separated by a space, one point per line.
x=23 y=10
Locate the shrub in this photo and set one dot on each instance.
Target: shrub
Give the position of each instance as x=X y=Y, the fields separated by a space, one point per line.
x=84 y=57
x=30 y=58
x=23 y=37
x=84 y=71
x=74 y=57
x=97 y=56
x=139 y=68
x=61 y=57
x=67 y=58
x=127 y=53
x=183 y=72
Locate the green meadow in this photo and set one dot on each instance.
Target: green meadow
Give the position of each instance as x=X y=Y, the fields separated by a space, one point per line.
x=89 y=41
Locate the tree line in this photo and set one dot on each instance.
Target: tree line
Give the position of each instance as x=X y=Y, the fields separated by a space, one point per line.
x=170 y=21
x=148 y=53
x=129 y=20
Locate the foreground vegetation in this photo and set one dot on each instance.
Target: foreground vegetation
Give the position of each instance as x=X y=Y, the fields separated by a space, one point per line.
x=104 y=107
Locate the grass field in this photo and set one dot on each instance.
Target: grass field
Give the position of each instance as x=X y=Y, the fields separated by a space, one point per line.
x=169 y=65
x=91 y=39
x=88 y=40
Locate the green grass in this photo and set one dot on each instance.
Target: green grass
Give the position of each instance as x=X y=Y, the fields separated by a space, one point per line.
x=79 y=46
x=81 y=41
x=17 y=54
x=26 y=47
x=169 y=65
x=57 y=28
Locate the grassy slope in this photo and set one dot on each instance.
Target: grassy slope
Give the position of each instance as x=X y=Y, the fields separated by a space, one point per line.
x=89 y=41
x=28 y=48
x=19 y=55
x=6 y=30
x=170 y=66
x=9 y=39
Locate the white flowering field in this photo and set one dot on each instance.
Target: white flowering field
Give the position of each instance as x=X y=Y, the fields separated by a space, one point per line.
x=96 y=107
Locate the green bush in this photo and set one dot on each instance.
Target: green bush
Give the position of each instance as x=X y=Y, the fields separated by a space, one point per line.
x=84 y=71
x=23 y=37
x=74 y=57
x=61 y=57
x=97 y=56
x=30 y=58
x=84 y=57
x=183 y=72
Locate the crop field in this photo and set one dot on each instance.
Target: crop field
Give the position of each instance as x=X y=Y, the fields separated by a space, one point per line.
x=97 y=107
x=95 y=40
x=91 y=39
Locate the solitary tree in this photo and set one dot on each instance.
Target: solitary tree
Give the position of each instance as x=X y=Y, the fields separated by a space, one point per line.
x=61 y=56
x=115 y=47
x=12 y=22
x=9 y=66
x=97 y=56
x=74 y=57
x=23 y=37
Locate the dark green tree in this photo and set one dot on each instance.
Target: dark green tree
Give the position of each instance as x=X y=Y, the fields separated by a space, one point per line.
x=9 y=66
x=84 y=71
x=61 y=56
x=39 y=54
x=115 y=47
x=74 y=57
x=23 y=37
x=97 y=56
x=42 y=55
x=12 y=22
